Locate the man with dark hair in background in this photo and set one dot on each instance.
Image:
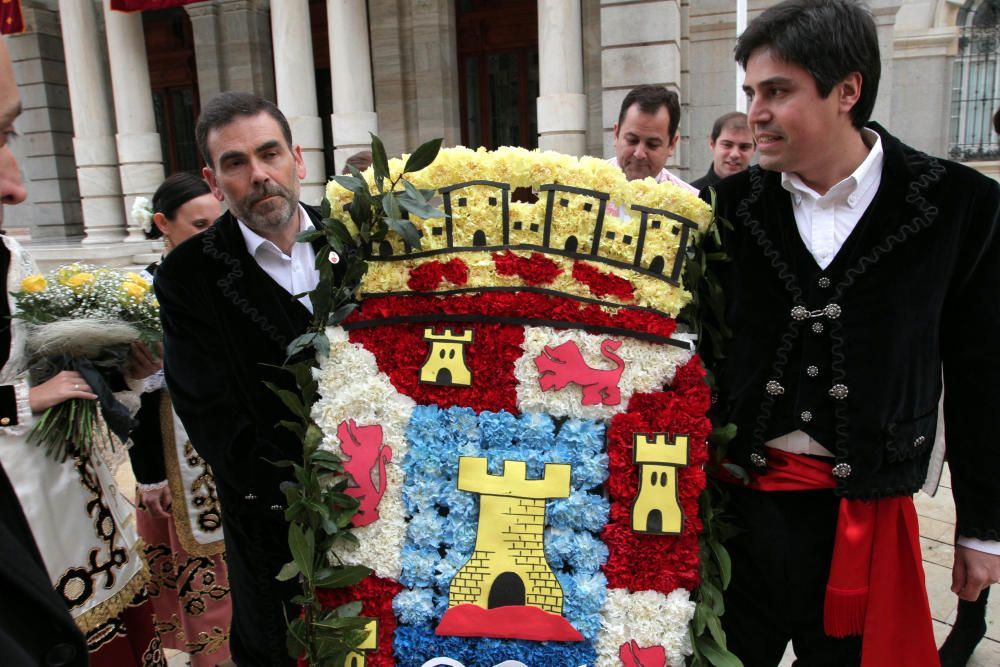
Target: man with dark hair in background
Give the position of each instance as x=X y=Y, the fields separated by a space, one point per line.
x=732 y=146
x=229 y=311
x=646 y=134
x=858 y=267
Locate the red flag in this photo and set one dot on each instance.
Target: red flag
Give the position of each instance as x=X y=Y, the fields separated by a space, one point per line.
x=11 y=19
x=141 y=5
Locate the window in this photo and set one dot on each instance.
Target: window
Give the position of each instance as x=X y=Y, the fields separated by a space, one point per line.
x=975 y=91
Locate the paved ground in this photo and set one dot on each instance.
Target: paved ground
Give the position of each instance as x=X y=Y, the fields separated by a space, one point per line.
x=937 y=527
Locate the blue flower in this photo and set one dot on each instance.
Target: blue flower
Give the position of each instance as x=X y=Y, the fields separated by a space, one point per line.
x=414 y=607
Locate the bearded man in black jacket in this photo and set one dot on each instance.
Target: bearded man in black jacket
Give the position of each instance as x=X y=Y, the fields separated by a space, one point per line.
x=229 y=312
x=860 y=267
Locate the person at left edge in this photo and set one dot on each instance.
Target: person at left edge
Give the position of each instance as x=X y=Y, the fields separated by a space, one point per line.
x=228 y=311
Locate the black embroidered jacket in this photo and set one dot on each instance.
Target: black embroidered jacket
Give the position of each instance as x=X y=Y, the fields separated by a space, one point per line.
x=852 y=354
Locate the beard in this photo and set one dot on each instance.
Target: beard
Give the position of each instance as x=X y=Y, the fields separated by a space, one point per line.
x=274 y=214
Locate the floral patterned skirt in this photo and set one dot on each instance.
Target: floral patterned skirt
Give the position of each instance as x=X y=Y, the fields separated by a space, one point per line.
x=190 y=594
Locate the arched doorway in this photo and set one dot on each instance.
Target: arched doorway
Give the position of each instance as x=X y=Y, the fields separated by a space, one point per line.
x=507 y=590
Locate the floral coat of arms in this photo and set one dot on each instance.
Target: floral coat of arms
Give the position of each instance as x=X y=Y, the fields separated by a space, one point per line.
x=523 y=424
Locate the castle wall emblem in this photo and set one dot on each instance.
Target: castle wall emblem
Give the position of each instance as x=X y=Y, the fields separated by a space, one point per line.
x=445 y=364
x=507 y=576
x=657 y=508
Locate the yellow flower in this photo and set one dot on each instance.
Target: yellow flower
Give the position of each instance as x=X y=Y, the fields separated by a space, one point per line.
x=80 y=280
x=35 y=283
x=137 y=279
x=134 y=289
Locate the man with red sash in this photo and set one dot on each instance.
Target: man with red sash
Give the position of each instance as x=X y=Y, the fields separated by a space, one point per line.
x=859 y=268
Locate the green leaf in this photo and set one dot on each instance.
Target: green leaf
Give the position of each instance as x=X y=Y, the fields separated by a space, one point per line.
x=380 y=163
x=737 y=472
x=322 y=345
x=353 y=183
x=324 y=208
x=413 y=201
x=423 y=156
x=405 y=229
x=299 y=344
x=391 y=205
x=349 y=609
x=309 y=235
x=725 y=563
x=347 y=623
x=288 y=571
x=340 y=315
x=299 y=432
x=302 y=543
x=290 y=399
x=715 y=654
x=341 y=577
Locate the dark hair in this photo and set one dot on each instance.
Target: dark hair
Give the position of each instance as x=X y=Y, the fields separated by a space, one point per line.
x=733 y=119
x=650 y=99
x=828 y=38
x=222 y=109
x=173 y=193
x=996 y=121
x=360 y=161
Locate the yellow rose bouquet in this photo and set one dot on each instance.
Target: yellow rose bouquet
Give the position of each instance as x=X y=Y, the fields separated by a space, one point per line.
x=83 y=318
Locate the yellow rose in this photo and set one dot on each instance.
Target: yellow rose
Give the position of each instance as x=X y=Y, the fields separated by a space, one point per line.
x=35 y=283
x=137 y=279
x=80 y=280
x=134 y=290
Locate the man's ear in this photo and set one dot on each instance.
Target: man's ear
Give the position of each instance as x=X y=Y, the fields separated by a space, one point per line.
x=209 y=177
x=614 y=130
x=300 y=164
x=849 y=91
x=672 y=146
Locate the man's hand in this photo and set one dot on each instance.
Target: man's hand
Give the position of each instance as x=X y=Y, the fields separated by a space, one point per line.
x=973 y=571
x=158 y=502
x=60 y=387
x=141 y=362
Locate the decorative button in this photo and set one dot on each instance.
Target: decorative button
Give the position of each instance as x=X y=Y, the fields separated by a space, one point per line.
x=5 y=421
x=812 y=371
x=833 y=311
x=823 y=282
x=838 y=391
x=817 y=327
x=800 y=313
x=275 y=508
x=758 y=460
x=774 y=388
x=919 y=440
x=842 y=470
x=806 y=416
x=250 y=496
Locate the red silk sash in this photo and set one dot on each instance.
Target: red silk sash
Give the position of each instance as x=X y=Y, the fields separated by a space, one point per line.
x=876 y=583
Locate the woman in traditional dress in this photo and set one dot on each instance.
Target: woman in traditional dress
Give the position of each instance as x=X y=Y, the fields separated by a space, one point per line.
x=179 y=515
x=68 y=513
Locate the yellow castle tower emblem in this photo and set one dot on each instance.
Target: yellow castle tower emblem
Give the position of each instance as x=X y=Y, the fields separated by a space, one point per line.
x=508 y=565
x=356 y=658
x=656 y=508
x=445 y=363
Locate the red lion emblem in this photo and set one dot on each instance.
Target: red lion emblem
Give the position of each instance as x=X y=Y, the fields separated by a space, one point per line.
x=561 y=365
x=363 y=446
x=632 y=655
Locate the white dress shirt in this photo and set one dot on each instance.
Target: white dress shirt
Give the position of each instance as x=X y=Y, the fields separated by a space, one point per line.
x=824 y=223
x=296 y=273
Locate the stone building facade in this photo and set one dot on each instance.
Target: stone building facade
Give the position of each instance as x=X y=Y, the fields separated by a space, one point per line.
x=111 y=98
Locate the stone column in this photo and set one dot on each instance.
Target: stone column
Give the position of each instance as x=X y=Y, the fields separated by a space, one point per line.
x=296 y=88
x=139 y=155
x=93 y=127
x=245 y=45
x=45 y=150
x=351 y=77
x=207 y=39
x=640 y=44
x=885 y=12
x=562 y=106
